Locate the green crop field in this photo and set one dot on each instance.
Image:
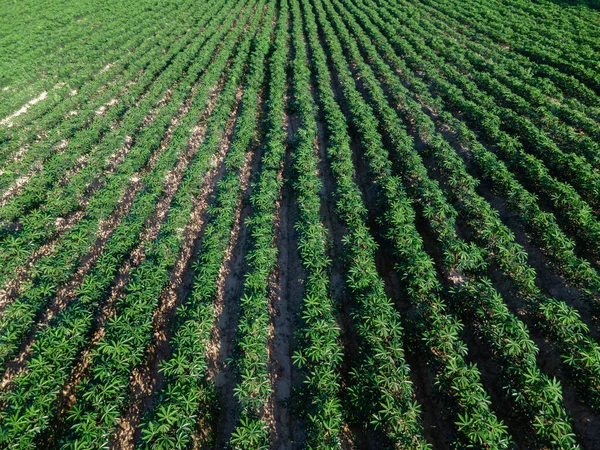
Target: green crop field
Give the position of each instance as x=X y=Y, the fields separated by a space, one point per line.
x=300 y=224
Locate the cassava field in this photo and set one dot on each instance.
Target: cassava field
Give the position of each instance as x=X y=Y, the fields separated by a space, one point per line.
x=290 y=224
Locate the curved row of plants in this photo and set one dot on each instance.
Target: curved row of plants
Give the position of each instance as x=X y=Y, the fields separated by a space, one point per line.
x=187 y=400
x=57 y=347
x=500 y=88
x=556 y=318
x=496 y=121
x=531 y=387
x=461 y=16
x=86 y=130
x=380 y=391
x=521 y=74
x=320 y=352
x=556 y=49
x=469 y=410
x=574 y=214
x=575 y=270
x=46 y=276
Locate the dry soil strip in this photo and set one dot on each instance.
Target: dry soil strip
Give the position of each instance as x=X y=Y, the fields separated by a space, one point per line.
x=68 y=293
x=147 y=379
x=7 y=121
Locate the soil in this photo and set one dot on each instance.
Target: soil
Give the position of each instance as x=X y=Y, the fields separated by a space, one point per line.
x=230 y=285
x=7 y=121
x=285 y=304
x=148 y=379
x=337 y=280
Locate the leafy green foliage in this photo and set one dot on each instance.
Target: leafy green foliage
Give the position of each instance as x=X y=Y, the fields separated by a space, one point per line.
x=461 y=143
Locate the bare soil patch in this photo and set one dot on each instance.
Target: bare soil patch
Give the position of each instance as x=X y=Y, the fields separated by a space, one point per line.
x=7 y=121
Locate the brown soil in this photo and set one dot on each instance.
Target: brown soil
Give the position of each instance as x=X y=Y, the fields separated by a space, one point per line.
x=548 y=281
x=106 y=68
x=585 y=421
x=551 y=283
x=230 y=285
x=21 y=278
x=285 y=304
x=353 y=437
x=492 y=381
x=68 y=292
x=110 y=164
x=337 y=280
x=479 y=352
x=286 y=424
x=148 y=379
x=438 y=426
x=7 y=121
x=229 y=290
x=102 y=110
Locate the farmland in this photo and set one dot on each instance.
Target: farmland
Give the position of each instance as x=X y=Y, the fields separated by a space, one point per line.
x=288 y=224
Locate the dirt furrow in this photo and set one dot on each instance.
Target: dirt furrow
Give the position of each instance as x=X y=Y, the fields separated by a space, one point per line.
x=14 y=286
x=229 y=290
x=584 y=420
x=547 y=279
x=337 y=281
x=7 y=121
x=68 y=293
x=18 y=156
x=284 y=306
x=147 y=379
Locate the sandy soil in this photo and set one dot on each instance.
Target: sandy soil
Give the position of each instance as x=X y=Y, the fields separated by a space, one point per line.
x=148 y=379
x=7 y=121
